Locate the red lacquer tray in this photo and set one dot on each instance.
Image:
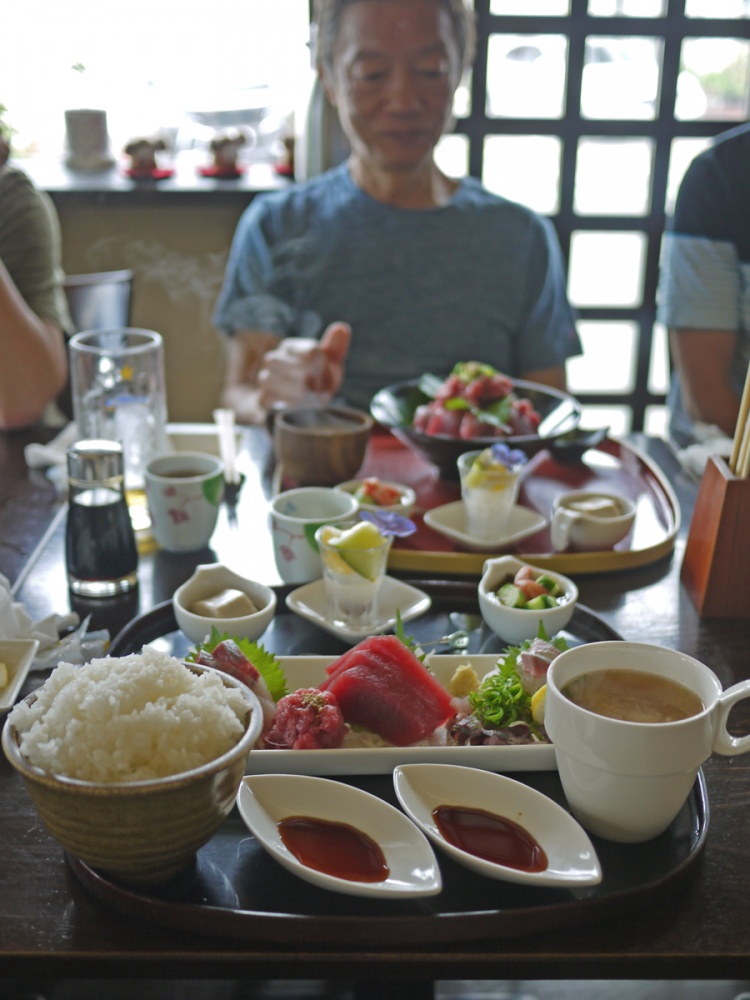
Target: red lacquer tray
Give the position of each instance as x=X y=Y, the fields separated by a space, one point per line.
x=612 y=466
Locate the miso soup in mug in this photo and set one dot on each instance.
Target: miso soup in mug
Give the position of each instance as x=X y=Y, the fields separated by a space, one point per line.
x=633 y=696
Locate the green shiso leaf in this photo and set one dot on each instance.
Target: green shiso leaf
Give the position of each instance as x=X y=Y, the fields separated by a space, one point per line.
x=498 y=413
x=409 y=641
x=430 y=384
x=264 y=662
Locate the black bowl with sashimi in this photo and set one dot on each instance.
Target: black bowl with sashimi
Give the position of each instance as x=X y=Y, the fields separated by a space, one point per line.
x=395 y=407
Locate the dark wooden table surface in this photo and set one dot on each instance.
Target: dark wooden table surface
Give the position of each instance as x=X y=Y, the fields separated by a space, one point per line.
x=51 y=926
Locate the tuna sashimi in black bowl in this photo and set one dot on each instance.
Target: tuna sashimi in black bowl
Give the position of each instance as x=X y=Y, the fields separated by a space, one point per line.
x=473 y=408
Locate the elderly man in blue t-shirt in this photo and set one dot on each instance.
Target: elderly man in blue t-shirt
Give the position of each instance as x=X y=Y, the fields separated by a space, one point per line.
x=384 y=267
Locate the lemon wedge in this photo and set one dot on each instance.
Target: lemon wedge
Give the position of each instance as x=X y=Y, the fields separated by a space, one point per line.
x=355 y=546
x=538 y=700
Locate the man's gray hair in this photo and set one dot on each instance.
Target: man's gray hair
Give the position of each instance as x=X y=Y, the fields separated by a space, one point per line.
x=327 y=17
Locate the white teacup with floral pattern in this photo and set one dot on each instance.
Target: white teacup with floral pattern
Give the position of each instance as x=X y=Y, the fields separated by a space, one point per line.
x=184 y=490
x=295 y=517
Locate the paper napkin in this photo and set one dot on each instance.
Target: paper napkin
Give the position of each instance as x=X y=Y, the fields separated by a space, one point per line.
x=77 y=646
x=710 y=440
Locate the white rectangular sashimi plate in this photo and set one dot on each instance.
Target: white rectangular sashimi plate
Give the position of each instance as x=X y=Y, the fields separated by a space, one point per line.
x=309 y=671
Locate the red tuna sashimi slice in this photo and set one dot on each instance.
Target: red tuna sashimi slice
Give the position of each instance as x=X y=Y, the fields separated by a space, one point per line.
x=349 y=658
x=382 y=686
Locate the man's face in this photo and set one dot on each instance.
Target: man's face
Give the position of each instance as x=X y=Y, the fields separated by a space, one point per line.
x=395 y=70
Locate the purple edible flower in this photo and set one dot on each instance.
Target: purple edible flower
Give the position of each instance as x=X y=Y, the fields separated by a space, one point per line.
x=388 y=522
x=511 y=458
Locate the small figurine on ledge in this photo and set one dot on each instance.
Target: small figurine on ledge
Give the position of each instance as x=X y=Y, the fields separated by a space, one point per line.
x=142 y=152
x=225 y=147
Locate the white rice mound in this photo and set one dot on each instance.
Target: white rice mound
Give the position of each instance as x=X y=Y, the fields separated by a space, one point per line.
x=129 y=718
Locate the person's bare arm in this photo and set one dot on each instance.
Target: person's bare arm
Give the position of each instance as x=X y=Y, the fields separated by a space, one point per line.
x=33 y=358
x=703 y=360
x=265 y=371
x=553 y=377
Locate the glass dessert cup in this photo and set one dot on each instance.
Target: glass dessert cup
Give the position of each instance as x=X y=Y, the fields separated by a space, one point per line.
x=354 y=561
x=489 y=496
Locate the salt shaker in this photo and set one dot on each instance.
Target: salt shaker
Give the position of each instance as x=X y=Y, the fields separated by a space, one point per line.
x=100 y=550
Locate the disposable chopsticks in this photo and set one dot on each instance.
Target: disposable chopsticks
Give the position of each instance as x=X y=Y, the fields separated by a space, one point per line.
x=739 y=460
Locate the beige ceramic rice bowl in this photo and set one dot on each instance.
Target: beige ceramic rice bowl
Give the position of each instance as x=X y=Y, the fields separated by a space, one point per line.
x=134 y=762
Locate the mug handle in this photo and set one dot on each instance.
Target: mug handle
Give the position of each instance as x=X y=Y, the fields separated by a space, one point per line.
x=562 y=521
x=724 y=742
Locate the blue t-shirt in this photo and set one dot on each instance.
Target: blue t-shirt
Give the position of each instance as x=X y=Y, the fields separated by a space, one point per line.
x=480 y=278
x=705 y=275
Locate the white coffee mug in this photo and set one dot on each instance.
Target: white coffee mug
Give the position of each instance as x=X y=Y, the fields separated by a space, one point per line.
x=183 y=491
x=627 y=781
x=295 y=517
x=589 y=520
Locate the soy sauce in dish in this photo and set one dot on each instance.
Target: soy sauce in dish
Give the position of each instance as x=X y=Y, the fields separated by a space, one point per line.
x=493 y=838
x=334 y=848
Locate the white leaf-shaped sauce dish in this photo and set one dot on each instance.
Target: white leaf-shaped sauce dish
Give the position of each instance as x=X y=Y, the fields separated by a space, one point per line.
x=411 y=869
x=571 y=860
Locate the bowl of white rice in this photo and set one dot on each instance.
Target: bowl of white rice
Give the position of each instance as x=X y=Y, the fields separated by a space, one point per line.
x=134 y=762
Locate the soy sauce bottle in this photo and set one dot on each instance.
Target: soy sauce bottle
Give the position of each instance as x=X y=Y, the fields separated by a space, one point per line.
x=100 y=551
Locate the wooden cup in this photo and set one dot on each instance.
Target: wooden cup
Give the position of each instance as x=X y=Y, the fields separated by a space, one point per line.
x=321 y=447
x=715 y=567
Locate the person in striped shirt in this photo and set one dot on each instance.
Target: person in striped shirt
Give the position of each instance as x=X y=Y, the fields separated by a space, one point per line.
x=33 y=312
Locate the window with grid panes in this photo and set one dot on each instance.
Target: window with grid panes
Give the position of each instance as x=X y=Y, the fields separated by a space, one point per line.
x=589 y=111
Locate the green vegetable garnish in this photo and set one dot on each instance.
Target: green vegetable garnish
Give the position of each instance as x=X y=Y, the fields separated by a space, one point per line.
x=264 y=662
x=501 y=699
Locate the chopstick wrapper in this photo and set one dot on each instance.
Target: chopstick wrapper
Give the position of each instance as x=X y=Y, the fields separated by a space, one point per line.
x=716 y=567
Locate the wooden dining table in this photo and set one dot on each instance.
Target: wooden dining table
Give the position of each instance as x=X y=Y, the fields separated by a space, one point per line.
x=695 y=925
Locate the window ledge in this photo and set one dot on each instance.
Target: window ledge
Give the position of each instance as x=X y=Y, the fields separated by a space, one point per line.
x=113 y=185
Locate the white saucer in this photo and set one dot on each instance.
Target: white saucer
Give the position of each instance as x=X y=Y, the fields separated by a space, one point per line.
x=450 y=520
x=266 y=799
x=309 y=602
x=571 y=858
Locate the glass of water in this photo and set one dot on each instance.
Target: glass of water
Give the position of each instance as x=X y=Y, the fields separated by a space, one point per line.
x=117 y=380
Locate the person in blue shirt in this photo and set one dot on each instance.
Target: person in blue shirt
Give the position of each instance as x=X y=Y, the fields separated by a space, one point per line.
x=704 y=289
x=384 y=267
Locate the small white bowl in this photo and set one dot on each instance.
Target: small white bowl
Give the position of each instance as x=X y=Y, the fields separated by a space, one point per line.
x=403 y=507
x=514 y=625
x=572 y=860
x=209 y=580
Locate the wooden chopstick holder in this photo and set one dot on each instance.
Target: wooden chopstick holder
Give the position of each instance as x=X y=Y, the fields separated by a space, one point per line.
x=715 y=568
